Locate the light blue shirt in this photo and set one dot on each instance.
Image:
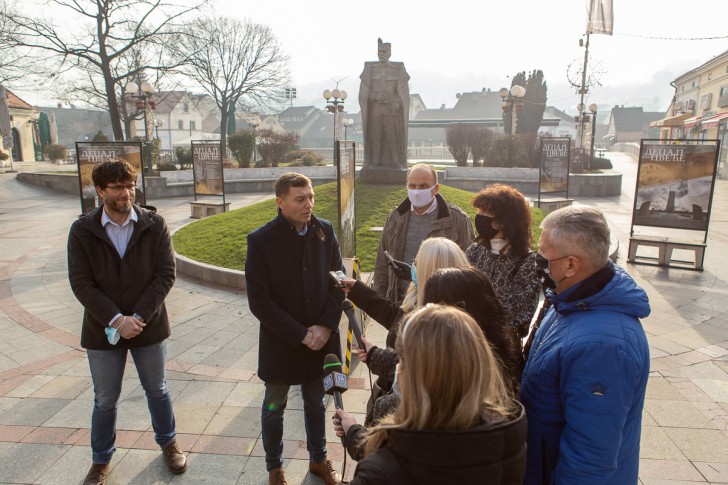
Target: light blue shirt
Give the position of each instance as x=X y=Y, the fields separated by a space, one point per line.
x=119 y=234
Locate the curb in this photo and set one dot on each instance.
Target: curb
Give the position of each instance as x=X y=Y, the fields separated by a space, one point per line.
x=232 y=278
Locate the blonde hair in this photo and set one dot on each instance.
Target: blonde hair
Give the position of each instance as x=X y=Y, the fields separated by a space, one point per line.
x=434 y=253
x=449 y=377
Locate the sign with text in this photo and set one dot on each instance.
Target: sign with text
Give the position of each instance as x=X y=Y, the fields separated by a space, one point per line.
x=207 y=169
x=554 y=168
x=675 y=183
x=88 y=155
x=344 y=159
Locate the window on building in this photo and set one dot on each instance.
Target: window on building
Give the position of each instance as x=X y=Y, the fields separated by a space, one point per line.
x=186 y=107
x=180 y=126
x=193 y=126
x=710 y=76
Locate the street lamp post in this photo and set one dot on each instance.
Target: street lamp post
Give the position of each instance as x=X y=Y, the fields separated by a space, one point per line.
x=144 y=101
x=335 y=104
x=291 y=95
x=512 y=102
x=254 y=123
x=347 y=122
x=157 y=124
x=593 y=109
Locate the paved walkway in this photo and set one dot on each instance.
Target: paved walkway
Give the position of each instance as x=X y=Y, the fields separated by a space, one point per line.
x=46 y=396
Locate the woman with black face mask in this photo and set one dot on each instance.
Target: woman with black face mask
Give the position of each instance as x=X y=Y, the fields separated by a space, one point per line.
x=502 y=250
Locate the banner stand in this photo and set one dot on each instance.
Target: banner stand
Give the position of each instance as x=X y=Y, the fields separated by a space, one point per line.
x=553 y=173
x=208 y=177
x=674 y=192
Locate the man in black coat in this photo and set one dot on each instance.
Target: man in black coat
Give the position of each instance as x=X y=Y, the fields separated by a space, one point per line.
x=121 y=268
x=299 y=308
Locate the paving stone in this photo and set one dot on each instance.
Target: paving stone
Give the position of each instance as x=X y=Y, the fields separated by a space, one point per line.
x=64 y=387
x=32 y=411
x=660 y=388
x=25 y=463
x=209 y=468
x=656 y=444
x=142 y=467
x=700 y=444
x=669 y=470
x=205 y=392
x=235 y=421
x=714 y=472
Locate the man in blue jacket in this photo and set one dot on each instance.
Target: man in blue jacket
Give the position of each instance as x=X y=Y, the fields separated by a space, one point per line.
x=299 y=308
x=584 y=383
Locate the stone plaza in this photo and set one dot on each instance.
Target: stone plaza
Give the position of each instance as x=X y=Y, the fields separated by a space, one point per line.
x=46 y=395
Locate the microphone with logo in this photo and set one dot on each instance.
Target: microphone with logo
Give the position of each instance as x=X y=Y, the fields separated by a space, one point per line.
x=334 y=380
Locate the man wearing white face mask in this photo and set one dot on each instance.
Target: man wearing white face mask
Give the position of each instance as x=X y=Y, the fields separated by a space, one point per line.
x=423 y=214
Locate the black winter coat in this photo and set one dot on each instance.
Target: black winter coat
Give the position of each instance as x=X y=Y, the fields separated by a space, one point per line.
x=489 y=453
x=107 y=284
x=289 y=289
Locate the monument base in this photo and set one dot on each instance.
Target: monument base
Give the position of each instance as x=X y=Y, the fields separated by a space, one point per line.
x=383 y=175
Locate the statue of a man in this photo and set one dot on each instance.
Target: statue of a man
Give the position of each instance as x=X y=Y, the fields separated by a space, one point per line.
x=384 y=103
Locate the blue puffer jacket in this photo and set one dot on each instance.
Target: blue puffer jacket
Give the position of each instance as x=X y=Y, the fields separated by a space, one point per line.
x=584 y=387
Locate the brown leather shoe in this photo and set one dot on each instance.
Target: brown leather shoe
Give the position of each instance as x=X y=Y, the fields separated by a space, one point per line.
x=176 y=460
x=97 y=474
x=277 y=477
x=326 y=471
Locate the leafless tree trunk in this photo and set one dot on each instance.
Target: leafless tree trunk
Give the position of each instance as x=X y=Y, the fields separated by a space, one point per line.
x=457 y=136
x=235 y=62
x=480 y=141
x=105 y=35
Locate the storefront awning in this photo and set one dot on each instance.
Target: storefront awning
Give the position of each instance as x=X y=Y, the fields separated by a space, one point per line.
x=691 y=122
x=713 y=121
x=671 y=120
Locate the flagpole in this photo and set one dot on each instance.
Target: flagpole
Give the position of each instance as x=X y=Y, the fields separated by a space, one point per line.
x=582 y=92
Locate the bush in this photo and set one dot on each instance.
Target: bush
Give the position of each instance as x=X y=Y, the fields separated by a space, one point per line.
x=273 y=146
x=241 y=145
x=56 y=152
x=507 y=151
x=100 y=137
x=601 y=163
x=166 y=166
x=4 y=156
x=227 y=163
x=184 y=157
x=304 y=158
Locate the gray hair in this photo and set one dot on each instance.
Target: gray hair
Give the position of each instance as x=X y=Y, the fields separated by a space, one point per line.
x=580 y=231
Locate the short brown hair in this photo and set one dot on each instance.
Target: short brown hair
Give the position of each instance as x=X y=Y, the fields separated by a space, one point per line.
x=291 y=179
x=111 y=171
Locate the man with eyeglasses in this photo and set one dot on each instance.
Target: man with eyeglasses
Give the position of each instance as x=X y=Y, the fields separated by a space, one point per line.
x=121 y=267
x=586 y=375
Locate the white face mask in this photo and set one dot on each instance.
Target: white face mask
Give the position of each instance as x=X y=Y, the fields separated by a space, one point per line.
x=420 y=197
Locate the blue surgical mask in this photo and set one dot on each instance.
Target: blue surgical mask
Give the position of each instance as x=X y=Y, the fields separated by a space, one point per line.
x=413 y=272
x=112 y=335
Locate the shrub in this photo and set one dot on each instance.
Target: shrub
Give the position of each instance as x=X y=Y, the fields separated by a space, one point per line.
x=100 y=137
x=4 y=156
x=507 y=151
x=184 y=157
x=166 y=166
x=273 y=146
x=601 y=163
x=305 y=158
x=56 y=152
x=241 y=145
x=227 y=163
x=457 y=136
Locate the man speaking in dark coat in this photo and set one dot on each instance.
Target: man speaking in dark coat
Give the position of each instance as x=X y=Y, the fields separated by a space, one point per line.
x=290 y=292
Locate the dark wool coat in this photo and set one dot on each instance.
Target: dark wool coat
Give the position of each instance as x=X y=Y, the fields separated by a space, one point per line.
x=289 y=289
x=106 y=284
x=489 y=453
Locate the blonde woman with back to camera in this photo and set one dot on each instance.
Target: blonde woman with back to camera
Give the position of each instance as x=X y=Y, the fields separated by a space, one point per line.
x=456 y=422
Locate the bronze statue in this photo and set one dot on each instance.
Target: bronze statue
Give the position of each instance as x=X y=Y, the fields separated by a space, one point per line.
x=384 y=102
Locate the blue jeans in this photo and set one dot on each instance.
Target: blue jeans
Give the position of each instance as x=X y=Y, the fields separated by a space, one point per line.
x=107 y=372
x=314 y=414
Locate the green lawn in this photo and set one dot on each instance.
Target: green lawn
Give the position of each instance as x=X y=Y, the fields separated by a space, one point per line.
x=221 y=240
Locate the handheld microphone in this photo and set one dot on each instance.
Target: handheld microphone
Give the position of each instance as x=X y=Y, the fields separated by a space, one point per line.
x=334 y=380
x=348 y=308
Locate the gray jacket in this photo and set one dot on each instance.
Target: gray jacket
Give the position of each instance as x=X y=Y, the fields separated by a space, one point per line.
x=452 y=222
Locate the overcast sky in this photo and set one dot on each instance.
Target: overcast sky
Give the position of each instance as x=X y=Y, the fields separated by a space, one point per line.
x=466 y=45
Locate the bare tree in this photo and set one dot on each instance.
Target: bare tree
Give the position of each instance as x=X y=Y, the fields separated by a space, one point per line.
x=235 y=62
x=105 y=36
x=457 y=136
x=17 y=65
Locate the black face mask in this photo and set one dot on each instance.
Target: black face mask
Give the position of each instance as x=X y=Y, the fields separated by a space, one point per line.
x=543 y=272
x=484 y=226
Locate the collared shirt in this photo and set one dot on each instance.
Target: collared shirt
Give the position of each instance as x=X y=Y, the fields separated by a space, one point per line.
x=431 y=209
x=303 y=231
x=119 y=234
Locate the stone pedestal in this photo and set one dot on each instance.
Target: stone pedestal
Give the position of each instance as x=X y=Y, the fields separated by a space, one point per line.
x=383 y=175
